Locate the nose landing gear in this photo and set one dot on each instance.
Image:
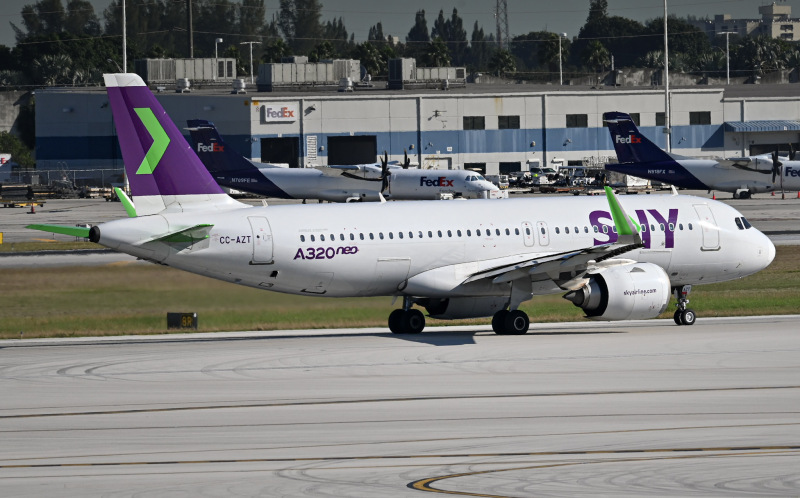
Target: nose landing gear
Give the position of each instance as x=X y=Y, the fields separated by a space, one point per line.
x=683 y=315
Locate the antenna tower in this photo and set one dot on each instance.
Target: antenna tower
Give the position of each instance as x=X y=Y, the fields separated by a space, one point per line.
x=501 y=16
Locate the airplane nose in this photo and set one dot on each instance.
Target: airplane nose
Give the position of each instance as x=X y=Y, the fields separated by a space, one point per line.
x=770 y=252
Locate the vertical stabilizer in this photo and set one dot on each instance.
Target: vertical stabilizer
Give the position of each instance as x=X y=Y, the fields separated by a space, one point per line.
x=163 y=170
x=219 y=157
x=629 y=143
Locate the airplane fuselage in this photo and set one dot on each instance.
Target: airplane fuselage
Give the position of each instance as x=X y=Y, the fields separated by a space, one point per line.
x=416 y=248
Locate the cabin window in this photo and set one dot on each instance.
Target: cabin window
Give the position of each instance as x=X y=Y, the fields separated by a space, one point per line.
x=391 y=235
x=380 y=235
x=478 y=232
x=497 y=231
x=516 y=231
x=458 y=232
x=576 y=230
x=341 y=236
x=652 y=228
x=542 y=230
x=644 y=228
x=410 y=235
x=361 y=236
x=528 y=231
x=322 y=237
x=302 y=238
x=566 y=229
x=353 y=236
x=557 y=230
x=400 y=234
x=690 y=226
x=680 y=226
x=605 y=228
x=672 y=227
x=585 y=229
x=508 y=232
x=420 y=234
x=661 y=226
x=594 y=227
x=312 y=238
x=449 y=233
x=430 y=234
x=614 y=229
x=371 y=236
x=469 y=233
x=439 y=233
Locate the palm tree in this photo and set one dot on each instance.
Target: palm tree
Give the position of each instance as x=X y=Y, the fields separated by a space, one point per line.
x=502 y=62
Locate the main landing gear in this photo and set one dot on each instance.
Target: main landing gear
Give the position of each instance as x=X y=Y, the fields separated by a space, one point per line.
x=507 y=322
x=406 y=320
x=683 y=315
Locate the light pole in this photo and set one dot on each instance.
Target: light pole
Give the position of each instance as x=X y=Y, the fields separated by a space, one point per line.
x=727 y=54
x=216 y=57
x=560 y=72
x=667 y=128
x=251 y=56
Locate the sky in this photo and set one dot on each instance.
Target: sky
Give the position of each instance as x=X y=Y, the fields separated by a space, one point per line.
x=563 y=16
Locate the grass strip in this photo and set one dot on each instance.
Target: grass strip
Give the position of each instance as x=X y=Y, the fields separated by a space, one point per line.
x=122 y=299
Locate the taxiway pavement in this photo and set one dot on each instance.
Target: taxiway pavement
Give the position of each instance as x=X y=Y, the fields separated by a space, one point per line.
x=572 y=409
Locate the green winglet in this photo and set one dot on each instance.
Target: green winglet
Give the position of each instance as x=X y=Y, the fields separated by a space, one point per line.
x=624 y=223
x=126 y=202
x=74 y=231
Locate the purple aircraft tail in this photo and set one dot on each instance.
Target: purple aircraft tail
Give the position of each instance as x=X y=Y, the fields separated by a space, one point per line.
x=161 y=167
x=630 y=144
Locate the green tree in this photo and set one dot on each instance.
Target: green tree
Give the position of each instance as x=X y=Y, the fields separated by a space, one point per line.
x=274 y=51
x=481 y=49
x=81 y=19
x=436 y=54
x=370 y=58
x=418 y=36
x=596 y=56
x=299 y=21
x=322 y=51
x=376 y=34
x=19 y=153
x=502 y=63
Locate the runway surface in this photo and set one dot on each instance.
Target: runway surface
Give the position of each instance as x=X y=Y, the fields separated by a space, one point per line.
x=576 y=409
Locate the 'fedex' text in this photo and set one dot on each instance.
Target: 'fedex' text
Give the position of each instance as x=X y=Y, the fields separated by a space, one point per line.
x=435 y=182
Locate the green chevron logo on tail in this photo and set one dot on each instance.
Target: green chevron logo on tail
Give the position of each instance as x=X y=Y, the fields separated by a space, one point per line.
x=160 y=141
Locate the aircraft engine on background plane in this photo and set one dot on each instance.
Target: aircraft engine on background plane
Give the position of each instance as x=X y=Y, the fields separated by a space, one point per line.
x=634 y=291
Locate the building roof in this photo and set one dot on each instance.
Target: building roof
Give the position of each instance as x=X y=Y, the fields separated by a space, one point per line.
x=758 y=126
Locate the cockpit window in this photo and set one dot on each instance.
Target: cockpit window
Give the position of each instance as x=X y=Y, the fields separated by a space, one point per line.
x=746 y=223
x=739 y=223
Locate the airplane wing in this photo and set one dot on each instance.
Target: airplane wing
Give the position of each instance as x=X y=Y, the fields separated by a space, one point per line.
x=575 y=263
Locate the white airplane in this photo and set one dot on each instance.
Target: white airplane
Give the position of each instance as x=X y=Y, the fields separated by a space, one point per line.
x=743 y=176
x=455 y=259
x=361 y=182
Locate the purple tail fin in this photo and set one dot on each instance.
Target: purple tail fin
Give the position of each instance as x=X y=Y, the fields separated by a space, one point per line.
x=158 y=161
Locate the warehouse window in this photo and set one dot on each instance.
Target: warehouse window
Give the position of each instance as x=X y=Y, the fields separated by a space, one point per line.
x=577 y=120
x=508 y=122
x=700 y=118
x=474 y=123
x=660 y=121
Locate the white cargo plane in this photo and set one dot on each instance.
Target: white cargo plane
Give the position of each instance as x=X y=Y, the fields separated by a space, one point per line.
x=340 y=183
x=455 y=259
x=743 y=176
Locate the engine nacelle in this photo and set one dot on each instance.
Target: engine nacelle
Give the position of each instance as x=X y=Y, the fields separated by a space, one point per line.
x=464 y=307
x=627 y=292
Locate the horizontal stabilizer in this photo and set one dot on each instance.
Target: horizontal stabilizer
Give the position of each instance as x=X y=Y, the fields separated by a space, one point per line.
x=191 y=235
x=74 y=231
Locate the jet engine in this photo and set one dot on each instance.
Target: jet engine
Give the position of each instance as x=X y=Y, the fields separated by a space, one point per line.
x=464 y=307
x=627 y=292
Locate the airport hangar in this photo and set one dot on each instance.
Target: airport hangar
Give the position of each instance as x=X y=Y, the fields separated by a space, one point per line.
x=491 y=128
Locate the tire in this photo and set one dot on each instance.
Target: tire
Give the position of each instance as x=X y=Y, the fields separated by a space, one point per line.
x=498 y=322
x=688 y=317
x=677 y=317
x=413 y=322
x=516 y=323
x=396 y=319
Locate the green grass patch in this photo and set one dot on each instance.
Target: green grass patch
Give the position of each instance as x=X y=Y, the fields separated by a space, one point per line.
x=135 y=298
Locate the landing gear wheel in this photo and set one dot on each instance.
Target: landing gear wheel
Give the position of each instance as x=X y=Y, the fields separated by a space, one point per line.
x=413 y=322
x=499 y=322
x=517 y=323
x=677 y=317
x=688 y=317
x=396 y=321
